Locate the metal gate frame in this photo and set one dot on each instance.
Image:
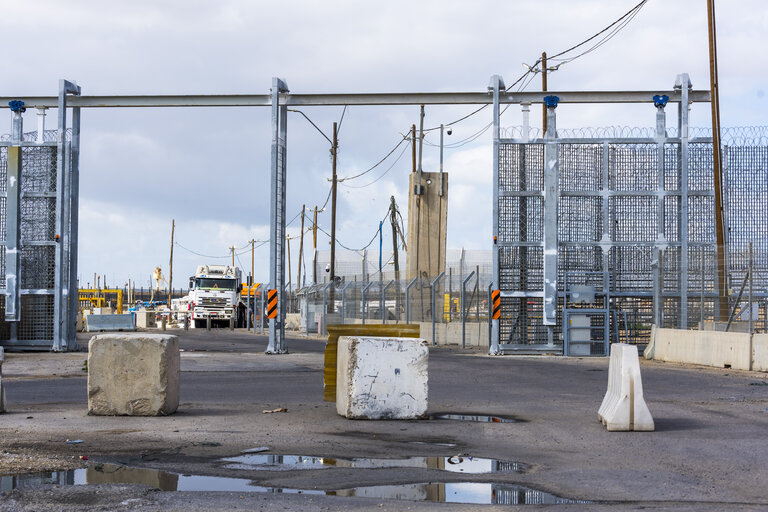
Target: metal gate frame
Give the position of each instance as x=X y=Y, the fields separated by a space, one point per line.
x=64 y=238
x=549 y=194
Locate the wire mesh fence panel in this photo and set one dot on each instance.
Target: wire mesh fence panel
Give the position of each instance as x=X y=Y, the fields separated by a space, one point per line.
x=37 y=244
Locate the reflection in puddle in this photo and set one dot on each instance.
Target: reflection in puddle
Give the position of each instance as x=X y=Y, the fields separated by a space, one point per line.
x=455 y=492
x=480 y=418
x=455 y=464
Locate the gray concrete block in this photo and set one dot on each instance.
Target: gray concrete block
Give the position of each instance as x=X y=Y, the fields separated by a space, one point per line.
x=132 y=374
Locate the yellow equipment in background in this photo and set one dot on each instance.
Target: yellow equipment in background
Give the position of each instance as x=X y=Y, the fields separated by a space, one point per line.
x=90 y=298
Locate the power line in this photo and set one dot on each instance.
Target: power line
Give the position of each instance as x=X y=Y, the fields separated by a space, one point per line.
x=632 y=12
x=382 y=174
x=405 y=137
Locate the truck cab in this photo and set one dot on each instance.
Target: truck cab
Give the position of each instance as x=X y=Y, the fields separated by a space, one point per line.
x=215 y=293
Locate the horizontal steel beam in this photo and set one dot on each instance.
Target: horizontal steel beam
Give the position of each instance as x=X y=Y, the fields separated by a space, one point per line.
x=307 y=100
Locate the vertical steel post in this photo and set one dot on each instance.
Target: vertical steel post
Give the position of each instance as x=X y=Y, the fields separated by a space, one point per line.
x=751 y=314
x=363 y=293
x=13 y=223
x=408 y=301
x=383 y=300
x=63 y=326
x=490 y=324
x=435 y=282
x=463 y=308
x=684 y=83
x=277 y=217
x=74 y=219
x=344 y=301
x=549 y=317
x=496 y=86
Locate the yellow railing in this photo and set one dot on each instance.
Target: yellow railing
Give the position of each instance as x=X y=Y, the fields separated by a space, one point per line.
x=98 y=298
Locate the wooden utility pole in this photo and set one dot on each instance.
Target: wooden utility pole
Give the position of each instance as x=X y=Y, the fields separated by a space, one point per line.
x=334 y=147
x=722 y=283
x=170 y=264
x=544 y=89
x=314 y=247
x=301 y=249
x=393 y=221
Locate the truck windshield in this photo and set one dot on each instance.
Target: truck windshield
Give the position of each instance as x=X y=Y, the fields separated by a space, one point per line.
x=218 y=284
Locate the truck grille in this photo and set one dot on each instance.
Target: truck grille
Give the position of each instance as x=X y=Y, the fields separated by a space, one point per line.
x=213 y=301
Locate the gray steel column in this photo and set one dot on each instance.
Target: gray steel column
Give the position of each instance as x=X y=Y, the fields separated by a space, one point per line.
x=684 y=83
x=73 y=192
x=549 y=317
x=13 y=219
x=63 y=332
x=277 y=217
x=660 y=102
x=606 y=242
x=495 y=87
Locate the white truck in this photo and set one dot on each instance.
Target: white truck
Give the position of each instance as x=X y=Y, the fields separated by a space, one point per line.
x=214 y=292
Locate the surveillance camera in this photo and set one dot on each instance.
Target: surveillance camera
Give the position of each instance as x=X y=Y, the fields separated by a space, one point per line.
x=449 y=130
x=328 y=267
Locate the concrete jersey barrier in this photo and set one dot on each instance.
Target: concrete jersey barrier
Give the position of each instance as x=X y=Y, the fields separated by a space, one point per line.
x=109 y=323
x=624 y=407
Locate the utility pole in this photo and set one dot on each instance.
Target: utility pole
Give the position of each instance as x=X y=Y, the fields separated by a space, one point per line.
x=170 y=265
x=232 y=249
x=717 y=166
x=334 y=148
x=301 y=249
x=393 y=221
x=544 y=89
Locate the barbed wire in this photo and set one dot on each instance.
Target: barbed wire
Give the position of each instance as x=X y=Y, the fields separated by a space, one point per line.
x=731 y=136
x=48 y=136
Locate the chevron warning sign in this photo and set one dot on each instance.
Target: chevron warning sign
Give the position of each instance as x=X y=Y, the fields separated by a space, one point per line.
x=496 y=300
x=272 y=303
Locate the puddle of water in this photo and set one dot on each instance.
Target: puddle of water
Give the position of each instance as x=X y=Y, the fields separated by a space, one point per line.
x=480 y=418
x=455 y=464
x=455 y=492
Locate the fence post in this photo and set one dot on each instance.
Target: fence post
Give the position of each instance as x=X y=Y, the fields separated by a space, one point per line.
x=463 y=310
x=383 y=298
x=408 y=301
x=362 y=299
x=434 y=283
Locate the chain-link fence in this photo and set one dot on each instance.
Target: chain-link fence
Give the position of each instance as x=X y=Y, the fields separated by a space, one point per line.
x=451 y=308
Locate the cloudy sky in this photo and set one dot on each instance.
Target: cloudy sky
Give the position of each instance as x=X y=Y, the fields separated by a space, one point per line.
x=209 y=168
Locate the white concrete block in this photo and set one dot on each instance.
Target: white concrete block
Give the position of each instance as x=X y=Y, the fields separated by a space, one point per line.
x=133 y=374
x=760 y=352
x=2 y=389
x=709 y=348
x=624 y=408
x=381 y=378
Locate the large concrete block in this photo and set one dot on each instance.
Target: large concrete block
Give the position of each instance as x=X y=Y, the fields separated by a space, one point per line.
x=133 y=374
x=623 y=407
x=709 y=348
x=760 y=352
x=2 y=389
x=381 y=378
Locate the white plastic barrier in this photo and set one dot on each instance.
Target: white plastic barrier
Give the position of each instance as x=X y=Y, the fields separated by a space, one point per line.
x=624 y=408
